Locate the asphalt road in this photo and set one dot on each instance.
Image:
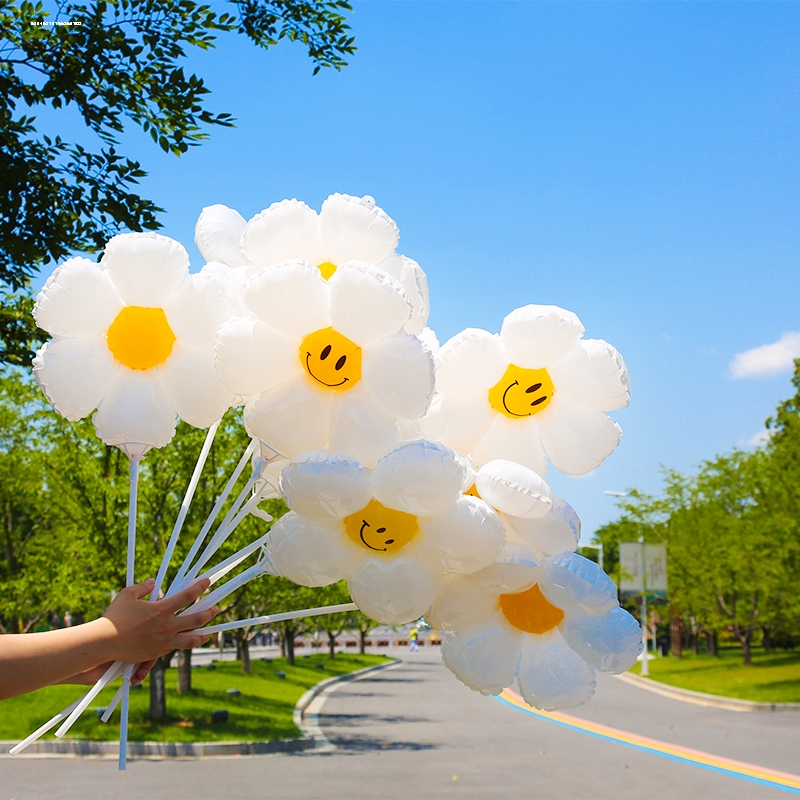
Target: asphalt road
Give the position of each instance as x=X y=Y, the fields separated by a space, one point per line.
x=415 y=732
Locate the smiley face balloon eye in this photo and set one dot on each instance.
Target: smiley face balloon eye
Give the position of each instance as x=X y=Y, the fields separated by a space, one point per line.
x=331 y=360
x=380 y=529
x=522 y=392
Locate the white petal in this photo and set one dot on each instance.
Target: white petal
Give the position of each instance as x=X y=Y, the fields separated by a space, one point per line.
x=193 y=386
x=411 y=277
x=552 y=675
x=292 y=297
x=398 y=370
x=484 y=656
x=459 y=603
x=429 y=339
x=419 y=477
x=513 y=440
x=536 y=336
x=354 y=228
x=325 y=484
x=577 y=439
x=574 y=583
x=291 y=418
x=513 y=489
x=310 y=552
x=146 y=268
x=251 y=357
x=392 y=592
x=75 y=374
x=286 y=230
x=198 y=309
x=136 y=409
x=593 y=374
x=558 y=532
x=515 y=570
x=367 y=304
x=468 y=537
x=360 y=426
x=458 y=422
x=610 y=643
x=472 y=361
x=217 y=234
x=78 y=299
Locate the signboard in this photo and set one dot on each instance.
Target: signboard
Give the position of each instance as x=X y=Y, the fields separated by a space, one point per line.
x=643 y=568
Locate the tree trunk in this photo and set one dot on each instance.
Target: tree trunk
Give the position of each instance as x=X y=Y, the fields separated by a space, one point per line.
x=239 y=656
x=712 y=647
x=244 y=651
x=694 y=643
x=289 y=639
x=158 y=693
x=283 y=645
x=767 y=640
x=184 y=671
x=332 y=644
x=362 y=642
x=676 y=637
x=748 y=656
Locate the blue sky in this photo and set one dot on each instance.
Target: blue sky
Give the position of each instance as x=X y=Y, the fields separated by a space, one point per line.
x=636 y=163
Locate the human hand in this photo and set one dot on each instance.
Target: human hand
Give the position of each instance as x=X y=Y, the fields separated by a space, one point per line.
x=90 y=676
x=140 y=631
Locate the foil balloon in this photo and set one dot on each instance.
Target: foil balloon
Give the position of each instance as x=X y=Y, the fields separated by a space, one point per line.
x=347 y=229
x=536 y=389
x=391 y=531
x=530 y=512
x=133 y=337
x=546 y=624
x=326 y=362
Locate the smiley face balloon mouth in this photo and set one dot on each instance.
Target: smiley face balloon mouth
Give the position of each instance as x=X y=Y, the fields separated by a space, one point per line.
x=522 y=392
x=381 y=529
x=331 y=360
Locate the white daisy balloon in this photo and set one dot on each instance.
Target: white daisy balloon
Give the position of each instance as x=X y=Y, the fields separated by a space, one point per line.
x=547 y=624
x=391 y=531
x=326 y=363
x=133 y=337
x=530 y=513
x=535 y=389
x=347 y=229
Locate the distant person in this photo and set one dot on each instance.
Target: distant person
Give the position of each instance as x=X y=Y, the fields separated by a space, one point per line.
x=413 y=637
x=131 y=629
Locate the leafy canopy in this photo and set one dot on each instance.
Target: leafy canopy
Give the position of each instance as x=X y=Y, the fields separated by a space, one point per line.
x=115 y=61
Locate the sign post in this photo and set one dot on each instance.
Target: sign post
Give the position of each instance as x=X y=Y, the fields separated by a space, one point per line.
x=643 y=569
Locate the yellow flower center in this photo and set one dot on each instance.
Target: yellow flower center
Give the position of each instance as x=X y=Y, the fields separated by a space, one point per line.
x=327 y=269
x=530 y=611
x=522 y=392
x=331 y=360
x=381 y=529
x=473 y=491
x=140 y=338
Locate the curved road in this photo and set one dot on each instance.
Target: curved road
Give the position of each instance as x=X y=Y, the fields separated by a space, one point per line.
x=414 y=731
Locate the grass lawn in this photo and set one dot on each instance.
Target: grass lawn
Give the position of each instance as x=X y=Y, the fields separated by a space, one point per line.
x=772 y=678
x=263 y=712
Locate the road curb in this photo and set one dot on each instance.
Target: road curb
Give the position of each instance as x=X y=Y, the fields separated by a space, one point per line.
x=704 y=699
x=312 y=739
x=306 y=712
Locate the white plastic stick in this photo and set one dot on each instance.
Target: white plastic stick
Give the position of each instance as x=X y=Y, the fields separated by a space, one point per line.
x=212 y=598
x=184 y=510
x=306 y=612
x=123 y=717
x=132 y=512
x=187 y=562
x=224 y=567
x=112 y=705
x=51 y=723
x=232 y=519
x=113 y=672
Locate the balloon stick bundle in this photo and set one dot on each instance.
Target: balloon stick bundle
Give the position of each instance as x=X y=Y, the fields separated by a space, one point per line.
x=414 y=472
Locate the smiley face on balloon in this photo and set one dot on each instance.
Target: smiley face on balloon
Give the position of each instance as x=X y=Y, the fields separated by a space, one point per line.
x=331 y=359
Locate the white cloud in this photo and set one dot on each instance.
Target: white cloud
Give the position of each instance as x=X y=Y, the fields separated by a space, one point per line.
x=762 y=437
x=769 y=359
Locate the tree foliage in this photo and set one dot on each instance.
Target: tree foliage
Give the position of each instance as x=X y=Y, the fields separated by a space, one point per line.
x=733 y=536
x=114 y=62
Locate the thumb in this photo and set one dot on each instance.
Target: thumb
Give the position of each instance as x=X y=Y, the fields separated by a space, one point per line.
x=140 y=590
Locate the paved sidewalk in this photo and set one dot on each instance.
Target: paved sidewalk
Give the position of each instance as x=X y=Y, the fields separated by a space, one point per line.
x=416 y=732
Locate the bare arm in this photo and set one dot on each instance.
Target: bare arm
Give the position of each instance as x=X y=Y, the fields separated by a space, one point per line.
x=131 y=630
